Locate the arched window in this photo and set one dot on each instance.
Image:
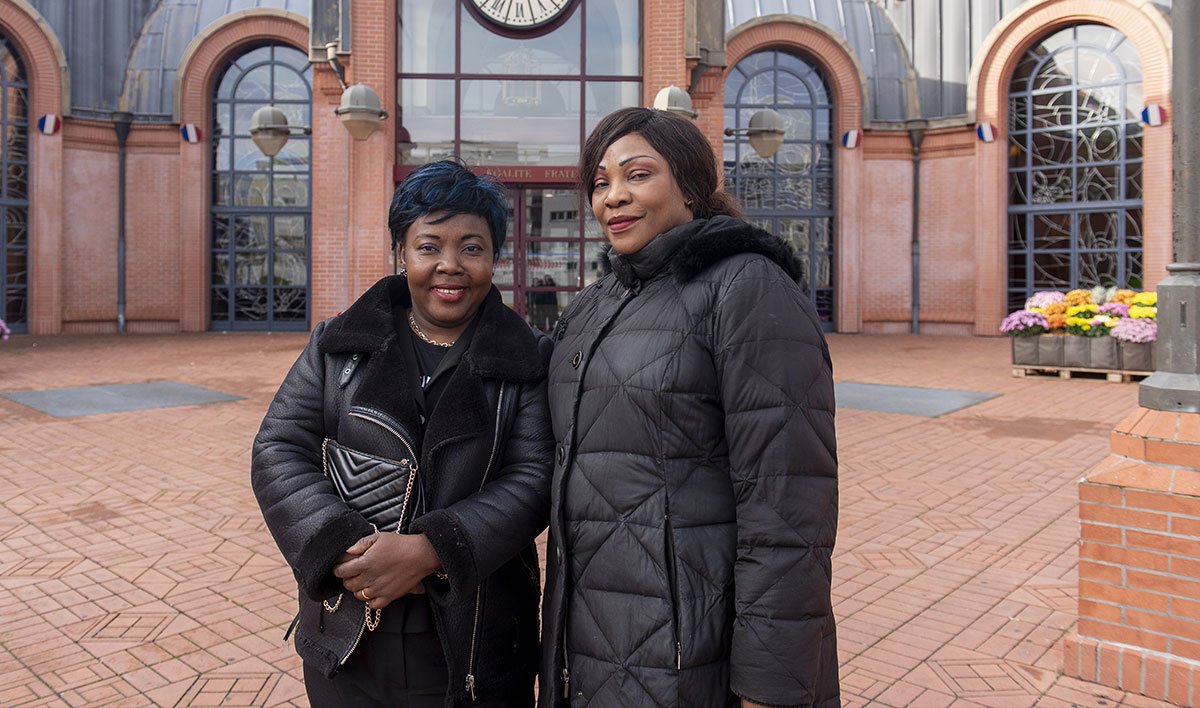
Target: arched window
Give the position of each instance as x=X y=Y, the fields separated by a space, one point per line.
x=1075 y=164
x=791 y=193
x=261 y=206
x=14 y=188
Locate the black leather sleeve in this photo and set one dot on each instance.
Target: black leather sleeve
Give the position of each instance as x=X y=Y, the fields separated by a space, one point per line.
x=482 y=532
x=310 y=523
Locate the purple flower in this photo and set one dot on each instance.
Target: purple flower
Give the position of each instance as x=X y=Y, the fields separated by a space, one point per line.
x=4 y=330
x=1118 y=309
x=1043 y=298
x=1133 y=329
x=1024 y=323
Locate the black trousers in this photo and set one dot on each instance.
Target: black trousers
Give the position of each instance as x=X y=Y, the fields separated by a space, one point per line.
x=399 y=665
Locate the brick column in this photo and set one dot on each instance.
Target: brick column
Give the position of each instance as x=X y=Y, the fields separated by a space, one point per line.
x=352 y=187
x=1139 y=561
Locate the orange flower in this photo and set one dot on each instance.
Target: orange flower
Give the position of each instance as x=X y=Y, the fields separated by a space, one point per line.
x=1079 y=297
x=1056 y=321
x=1124 y=296
x=1055 y=308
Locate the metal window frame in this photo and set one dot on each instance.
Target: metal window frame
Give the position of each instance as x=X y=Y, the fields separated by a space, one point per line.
x=21 y=289
x=1022 y=138
x=823 y=298
x=230 y=211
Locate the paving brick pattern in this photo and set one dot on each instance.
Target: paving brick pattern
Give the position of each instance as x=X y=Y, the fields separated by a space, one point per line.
x=135 y=568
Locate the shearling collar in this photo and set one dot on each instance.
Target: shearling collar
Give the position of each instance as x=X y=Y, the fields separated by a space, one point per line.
x=690 y=248
x=503 y=346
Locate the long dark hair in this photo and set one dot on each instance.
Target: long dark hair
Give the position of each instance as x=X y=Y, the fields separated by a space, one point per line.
x=687 y=151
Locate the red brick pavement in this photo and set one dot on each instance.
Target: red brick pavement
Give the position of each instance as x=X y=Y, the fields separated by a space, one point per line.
x=135 y=568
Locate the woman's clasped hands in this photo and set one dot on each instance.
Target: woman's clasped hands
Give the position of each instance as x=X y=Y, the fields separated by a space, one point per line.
x=384 y=567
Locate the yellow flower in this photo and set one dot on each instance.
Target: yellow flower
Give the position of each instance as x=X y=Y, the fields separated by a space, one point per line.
x=1076 y=309
x=1038 y=310
x=1147 y=298
x=1086 y=327
x=1110 y=323
x=1143 y=311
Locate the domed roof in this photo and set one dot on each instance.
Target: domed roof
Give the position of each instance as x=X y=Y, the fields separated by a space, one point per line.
x=870 y=35
x=166 y=35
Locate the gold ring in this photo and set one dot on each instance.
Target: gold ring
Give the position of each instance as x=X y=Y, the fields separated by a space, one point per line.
x=364 y=594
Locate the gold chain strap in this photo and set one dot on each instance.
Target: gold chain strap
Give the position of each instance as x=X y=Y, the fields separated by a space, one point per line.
x=371 y=617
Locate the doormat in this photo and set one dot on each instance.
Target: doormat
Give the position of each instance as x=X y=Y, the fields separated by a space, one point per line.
x=906 y=400
x=117 y=398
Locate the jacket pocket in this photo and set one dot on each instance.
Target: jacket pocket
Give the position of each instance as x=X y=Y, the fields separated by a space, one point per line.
x=672 y=584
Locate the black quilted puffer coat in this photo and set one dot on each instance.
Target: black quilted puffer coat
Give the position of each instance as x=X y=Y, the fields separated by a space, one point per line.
x=694 y=502
x=484 y=477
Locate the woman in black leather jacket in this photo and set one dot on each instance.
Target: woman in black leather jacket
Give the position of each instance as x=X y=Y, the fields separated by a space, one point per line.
x=431 y=369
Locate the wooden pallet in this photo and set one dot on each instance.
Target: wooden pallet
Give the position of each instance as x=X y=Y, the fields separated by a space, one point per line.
x=1066 y=372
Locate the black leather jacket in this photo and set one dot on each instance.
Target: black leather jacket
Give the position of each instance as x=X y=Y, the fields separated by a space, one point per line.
x=484 y=476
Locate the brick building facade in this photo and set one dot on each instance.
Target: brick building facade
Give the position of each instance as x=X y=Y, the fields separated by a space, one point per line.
x=216 y=236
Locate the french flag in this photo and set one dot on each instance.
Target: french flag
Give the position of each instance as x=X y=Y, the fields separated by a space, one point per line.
x=1153 y=114
x=49 y=124
x=851 y=139
x=986 y=132
x=190 y=132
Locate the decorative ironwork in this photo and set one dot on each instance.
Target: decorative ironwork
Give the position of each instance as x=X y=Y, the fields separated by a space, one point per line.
x=790 y=194
x=14 y=188
x=261 y=206
x=1075 y=164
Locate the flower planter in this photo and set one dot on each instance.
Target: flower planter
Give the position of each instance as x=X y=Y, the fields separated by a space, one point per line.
x=1104 y=353
x=1077 y=352
x=1050 y=349
x=1025 y=351
x=1137 y=356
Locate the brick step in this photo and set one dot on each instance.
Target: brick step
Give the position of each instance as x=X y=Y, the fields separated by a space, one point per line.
x=1067 y=372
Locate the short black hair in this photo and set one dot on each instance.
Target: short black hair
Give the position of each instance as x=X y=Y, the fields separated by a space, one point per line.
x=687 y=151
x=447 y=186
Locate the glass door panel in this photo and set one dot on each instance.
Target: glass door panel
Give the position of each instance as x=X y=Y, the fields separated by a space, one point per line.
x=547 y=258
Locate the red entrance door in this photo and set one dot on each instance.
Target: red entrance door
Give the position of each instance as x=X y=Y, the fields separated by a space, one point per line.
x=551 y=252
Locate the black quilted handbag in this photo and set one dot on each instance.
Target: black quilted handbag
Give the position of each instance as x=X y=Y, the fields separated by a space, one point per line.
x=376 y=487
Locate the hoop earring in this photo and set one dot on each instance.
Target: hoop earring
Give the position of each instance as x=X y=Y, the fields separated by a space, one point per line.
x=688 y=203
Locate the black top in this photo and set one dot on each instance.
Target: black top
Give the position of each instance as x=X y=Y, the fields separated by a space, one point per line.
x=430 y=366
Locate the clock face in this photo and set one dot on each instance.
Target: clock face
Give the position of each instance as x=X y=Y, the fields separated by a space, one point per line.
x=521 y=14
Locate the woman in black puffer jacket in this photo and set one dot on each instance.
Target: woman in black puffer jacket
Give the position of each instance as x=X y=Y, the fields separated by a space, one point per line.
x=694 y=502
x=429 y=369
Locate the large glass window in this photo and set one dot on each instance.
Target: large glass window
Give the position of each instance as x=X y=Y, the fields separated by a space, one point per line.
x=507 y=98
x=520 y=104
x=791 y=193
x=14 y=189
x=261 y=206
x=1075 y=164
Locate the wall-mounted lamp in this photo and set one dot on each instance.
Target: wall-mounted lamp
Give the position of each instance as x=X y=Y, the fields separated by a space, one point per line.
x=765 y=132
x=270 y=131
x=673 y=99
x=360 y=111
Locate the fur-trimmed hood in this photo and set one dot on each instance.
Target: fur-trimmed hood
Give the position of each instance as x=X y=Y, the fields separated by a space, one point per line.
x=688 y=249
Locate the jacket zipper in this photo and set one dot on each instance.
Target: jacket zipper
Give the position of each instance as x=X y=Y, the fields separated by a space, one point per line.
x=628 y=295
x=672 y=580
x=470 y=680
x=387 y=423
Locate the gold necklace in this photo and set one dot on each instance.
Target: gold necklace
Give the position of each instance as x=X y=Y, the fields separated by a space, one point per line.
x=417 y=330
